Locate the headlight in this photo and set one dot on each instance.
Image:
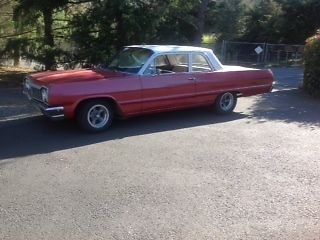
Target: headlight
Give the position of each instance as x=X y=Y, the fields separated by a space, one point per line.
x=44 y=94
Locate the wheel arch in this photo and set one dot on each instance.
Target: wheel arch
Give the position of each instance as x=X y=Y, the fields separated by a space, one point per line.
x=116 y=107
x=237 y=94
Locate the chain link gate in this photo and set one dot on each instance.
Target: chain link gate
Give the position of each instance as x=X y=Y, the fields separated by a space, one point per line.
x=251 y=54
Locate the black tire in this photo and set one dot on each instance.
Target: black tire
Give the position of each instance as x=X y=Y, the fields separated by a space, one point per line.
x=95 y=115
x=225 y=103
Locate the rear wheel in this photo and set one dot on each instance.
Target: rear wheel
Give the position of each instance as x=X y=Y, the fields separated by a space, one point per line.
x=95 y=115
x=226 y=103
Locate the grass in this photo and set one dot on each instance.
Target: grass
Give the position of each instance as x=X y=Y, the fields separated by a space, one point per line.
x=11 y=77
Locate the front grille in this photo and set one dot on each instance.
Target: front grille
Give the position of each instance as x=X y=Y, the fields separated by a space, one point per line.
x=36 y=93
x=32 y=91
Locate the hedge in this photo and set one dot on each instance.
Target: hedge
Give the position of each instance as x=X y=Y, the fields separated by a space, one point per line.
x=312 y=65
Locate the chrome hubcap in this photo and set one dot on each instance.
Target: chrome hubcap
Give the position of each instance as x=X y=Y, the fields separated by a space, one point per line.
x=226 y=101
x=98 y=116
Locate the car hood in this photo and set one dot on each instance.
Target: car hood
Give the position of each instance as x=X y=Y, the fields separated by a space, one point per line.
x=45 y=78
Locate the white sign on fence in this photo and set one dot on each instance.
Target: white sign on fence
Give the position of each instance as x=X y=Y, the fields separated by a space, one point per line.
x=258 y=50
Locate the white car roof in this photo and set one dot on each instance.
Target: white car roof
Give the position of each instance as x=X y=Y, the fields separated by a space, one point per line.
x=172 y=48
x=158 y=49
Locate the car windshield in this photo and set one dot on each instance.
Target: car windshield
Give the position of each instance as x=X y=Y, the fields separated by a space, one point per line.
x=130 y=60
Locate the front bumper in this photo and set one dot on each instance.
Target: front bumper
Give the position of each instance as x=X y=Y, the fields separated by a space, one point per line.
x=54 y=113
x=33 y=92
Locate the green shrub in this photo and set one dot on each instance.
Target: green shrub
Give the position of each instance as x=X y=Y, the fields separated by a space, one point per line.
x=312 y=65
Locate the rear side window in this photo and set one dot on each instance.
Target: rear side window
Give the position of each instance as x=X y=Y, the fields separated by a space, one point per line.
x=200 y=63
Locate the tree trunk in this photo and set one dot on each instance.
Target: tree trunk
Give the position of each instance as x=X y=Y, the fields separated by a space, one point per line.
x=201 y=18
x=16 y=55
x=49 y=59
x=121 y=34
x=16 y=60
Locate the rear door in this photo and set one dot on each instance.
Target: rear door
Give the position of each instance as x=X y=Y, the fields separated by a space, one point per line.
x=208 y=82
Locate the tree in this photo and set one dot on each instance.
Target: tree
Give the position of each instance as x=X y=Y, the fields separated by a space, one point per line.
x=261 y=22
x=281 y=21
x=7 y=30
x=91 y=31
x=106 y=26
x=41 y=9
x=201 y=20
x=311 y=80
x=300 y=19
x=226 y=20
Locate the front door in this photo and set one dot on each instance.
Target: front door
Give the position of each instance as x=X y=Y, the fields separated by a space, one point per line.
x=167 y=83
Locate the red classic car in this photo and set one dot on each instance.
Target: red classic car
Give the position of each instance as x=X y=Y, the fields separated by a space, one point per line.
x=144 y=79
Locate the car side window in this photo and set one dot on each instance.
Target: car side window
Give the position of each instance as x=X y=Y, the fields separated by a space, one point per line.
x=200 y=63
x=161 y=61
x=179 y=63
x=168 y=64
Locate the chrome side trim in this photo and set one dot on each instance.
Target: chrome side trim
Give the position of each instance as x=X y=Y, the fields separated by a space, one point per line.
x=58 y=116
x=55 y=109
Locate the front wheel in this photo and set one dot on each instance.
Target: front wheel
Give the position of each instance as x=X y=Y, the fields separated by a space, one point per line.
x=226 y=103
x=95 y=116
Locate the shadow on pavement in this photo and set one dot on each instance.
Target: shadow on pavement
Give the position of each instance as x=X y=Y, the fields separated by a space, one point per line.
x=37 y=135
x=287 y=105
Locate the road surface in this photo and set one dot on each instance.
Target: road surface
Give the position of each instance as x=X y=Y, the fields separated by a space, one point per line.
x=254 y=174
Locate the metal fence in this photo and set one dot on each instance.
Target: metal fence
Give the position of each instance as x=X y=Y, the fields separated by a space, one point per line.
x=229 y=52
x=247 y=53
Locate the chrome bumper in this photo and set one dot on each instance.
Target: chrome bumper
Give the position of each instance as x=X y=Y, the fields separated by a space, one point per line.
x=54 y=113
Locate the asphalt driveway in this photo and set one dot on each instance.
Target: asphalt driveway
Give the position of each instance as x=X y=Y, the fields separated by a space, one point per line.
x=254 y=174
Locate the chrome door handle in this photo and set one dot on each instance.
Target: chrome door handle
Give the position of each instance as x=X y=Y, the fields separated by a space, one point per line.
x=191 y=78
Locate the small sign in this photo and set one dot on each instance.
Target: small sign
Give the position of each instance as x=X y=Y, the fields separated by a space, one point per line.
x=258 y=50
